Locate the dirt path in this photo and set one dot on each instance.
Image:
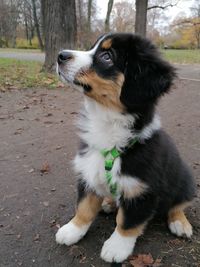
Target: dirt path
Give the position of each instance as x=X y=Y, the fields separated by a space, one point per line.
x=37 y=134
x=23 y=55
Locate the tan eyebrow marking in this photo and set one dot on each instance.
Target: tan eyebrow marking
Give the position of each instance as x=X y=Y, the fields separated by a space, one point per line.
x=107 y=44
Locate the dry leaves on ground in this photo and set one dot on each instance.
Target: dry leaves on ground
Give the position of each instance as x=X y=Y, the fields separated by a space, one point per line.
x=175 y=242
x=144 y=260
x=45 y=168
x=36 y=237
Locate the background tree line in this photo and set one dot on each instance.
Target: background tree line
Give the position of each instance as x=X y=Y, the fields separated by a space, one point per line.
x=53 y=25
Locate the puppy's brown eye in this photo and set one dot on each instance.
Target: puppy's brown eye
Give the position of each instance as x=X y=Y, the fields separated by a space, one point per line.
x=106 y=57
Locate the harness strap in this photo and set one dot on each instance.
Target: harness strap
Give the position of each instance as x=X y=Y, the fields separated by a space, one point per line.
x=110 y=156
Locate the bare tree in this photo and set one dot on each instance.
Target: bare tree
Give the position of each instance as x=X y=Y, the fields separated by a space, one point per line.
x=196 y=9
x=59 y=28
x=89 y=15
x=162 y=4
x=88 y=25
x=80 y=22
x=141 y=17
x=142 y=6
x=37 y=27
x=9 y=18
x=107 y=20
x=123 y=15
x=26 y=12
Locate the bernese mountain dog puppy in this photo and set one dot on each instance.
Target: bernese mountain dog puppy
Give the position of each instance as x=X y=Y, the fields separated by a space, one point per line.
x=124 y=153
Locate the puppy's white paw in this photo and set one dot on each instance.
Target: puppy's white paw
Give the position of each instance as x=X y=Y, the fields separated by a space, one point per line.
x=178 y=228
x=70 y=234
x=117 y=248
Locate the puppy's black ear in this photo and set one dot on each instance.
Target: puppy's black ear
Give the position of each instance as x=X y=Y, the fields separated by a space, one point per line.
x=147 y=75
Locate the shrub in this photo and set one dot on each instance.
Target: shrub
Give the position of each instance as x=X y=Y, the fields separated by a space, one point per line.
x=23 y=43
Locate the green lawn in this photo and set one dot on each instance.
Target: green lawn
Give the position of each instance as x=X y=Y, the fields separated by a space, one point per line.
x=19 y=74
x=182 y=56
x=173 y=55
x=24 y=74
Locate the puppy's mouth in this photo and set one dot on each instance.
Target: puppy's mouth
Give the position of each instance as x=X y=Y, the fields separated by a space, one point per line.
x=75 y=81
x=63 y=76
x=86 y=87
x=60 y=73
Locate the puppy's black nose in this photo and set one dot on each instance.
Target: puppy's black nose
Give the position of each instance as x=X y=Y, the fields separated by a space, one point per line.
x=64 y=56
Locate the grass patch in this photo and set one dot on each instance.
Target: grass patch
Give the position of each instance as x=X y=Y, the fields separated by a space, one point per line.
x=182 y=56
x=19 y=74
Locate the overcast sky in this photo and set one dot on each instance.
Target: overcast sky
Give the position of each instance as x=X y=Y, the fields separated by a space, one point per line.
x=183 y=6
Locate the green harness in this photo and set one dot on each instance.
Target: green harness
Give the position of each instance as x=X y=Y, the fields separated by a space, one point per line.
x=110 y=156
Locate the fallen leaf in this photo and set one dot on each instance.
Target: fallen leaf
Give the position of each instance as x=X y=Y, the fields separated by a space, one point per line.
x=18 y=236
x=52 y=223
x=18 y=131
x=36 y=237
x=144 y=260
x=48 y=122
x=35 y=100
x=157 y=263
x=46 y=203
x=48 y=115
x=62 y=205
x=26 y=213
x=45 y=168
x=60 y=84
x=58 y=147
x=25 y=107
x=78 y=253
x=12 y=87
x=8 y=83
x=175 y=242
x=48 y=81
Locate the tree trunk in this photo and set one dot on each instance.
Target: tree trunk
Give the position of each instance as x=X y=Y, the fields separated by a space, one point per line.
x=109 y=10
x=26 y=27
x=80 y=23
x=37 y=25
x=59 y=29
x=141 y=17
x=89 y=15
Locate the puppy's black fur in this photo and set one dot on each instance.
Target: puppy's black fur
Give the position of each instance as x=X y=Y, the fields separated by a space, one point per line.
x=153 y=160
x=156 y=161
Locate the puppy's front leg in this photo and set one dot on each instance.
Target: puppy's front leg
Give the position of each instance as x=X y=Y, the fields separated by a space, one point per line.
x=132 y=218
x=89 y=204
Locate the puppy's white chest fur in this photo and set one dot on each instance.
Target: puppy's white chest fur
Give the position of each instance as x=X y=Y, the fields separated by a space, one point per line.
x=91 y=168
x=101 y=128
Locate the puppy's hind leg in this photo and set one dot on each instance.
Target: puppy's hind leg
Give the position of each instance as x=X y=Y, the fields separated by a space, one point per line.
x=177 y=221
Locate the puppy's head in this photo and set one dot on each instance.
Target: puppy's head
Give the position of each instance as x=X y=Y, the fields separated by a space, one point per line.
x=120 y=71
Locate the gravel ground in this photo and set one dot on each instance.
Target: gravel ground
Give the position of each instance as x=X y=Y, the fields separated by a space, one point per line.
x=37 y=192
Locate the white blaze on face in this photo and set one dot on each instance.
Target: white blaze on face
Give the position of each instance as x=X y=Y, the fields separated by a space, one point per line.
x=81 y=60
